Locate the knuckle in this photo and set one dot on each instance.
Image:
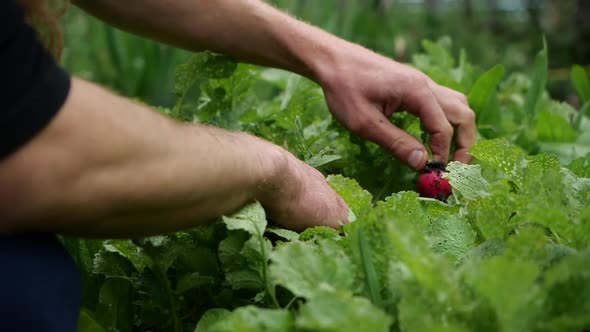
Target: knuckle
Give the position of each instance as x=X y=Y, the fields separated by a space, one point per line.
x=397 y=143
x=420 y=82
x=463 y=115
x=446 y=130
x=415 y=79
x=469 y=116
x=462 y=98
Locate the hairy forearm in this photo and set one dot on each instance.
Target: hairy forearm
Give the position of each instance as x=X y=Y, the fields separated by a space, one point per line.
x=108 y=167
x=248 y=30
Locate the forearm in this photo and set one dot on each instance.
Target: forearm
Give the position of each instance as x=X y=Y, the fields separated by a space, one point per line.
x=248 y=30
x=108 y=167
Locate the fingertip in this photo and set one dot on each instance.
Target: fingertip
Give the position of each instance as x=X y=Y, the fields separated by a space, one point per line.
x=343 y=211
x=418 y=159
x=440 y=149
x=439 y=158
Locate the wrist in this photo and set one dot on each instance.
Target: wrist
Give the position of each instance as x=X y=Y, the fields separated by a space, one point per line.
x=340 y=61
x=322 y=58
x=302 y=48
x=331 y=61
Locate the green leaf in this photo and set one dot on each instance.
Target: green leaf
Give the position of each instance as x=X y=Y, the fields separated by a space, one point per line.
x=484 y=88
x=245 y=252
x=404 y=205
x=552 y=127
x=358 y=199
x=204 y=65
x=83 y=251
x=576 y=188
x=226 y=102
x=111 y=265
x=567 y=303
x=199 y=257
x=451 y=235
x=438 y=318
x=250 y=218
x=494 y=214
x=365 y=249
x=250 y=319
x=540 y=163
x=431 y=271
x=130 y=251
x=502 y=155
x=87 y=323
x=193 y=280
x=434 y=208
x=331 y=311
x=304 y=268
x=539 y=80
x=582 y=115
x=510 y=292
x=439 y=52
x=318 y=233
x=243 y=260
x=159 y=252
x=581 y=166
x=322 y=159
x=486 y=250
x=581 y=83
x=115 y=307
x=467 y=180
x=210 y=318
x=284 y=233
x=529 y=242
x=370 y=249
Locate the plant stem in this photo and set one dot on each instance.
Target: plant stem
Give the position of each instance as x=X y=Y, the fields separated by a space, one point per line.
x=269 y=290
x=161 y=275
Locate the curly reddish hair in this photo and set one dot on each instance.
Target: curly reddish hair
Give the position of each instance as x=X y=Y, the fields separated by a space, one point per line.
x=44 y=17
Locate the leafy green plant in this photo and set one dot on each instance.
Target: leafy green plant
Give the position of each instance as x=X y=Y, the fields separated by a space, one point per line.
x=508 y=251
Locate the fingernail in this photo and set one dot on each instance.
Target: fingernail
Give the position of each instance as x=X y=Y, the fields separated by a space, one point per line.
x=416 y=158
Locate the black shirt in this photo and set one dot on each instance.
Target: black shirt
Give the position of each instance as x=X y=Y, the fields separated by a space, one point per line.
x=32 y=85
x=40 y=286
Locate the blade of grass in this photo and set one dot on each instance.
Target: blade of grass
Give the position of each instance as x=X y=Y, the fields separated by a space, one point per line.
x=581 y=83
x=539 y=80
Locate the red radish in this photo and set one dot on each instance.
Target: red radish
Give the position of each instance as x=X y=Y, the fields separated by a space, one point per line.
x=431 y=183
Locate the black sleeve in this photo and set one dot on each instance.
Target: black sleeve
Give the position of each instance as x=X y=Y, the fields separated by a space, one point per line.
x=32 y=85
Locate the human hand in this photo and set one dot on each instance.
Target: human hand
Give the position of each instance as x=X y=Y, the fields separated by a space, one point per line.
x=299 y=197
x=363 y=89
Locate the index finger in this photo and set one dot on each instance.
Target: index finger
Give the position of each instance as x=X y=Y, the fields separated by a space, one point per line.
x=424 y=104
